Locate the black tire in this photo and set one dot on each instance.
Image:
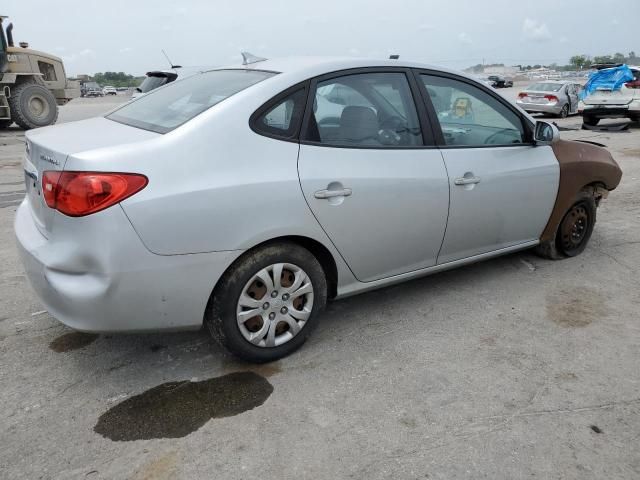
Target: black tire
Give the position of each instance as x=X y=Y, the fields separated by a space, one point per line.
x=33 y=106
x=5 y=123
x=220 y=316
x=591 y=121
x=563 y=245
x=564 y=113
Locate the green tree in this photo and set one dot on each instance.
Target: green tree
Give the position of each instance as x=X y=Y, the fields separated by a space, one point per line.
x=578 y=61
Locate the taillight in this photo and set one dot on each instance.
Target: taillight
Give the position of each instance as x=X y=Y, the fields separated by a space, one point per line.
x=634 y=84
x=82 y=193
x=522 y=95
x=551 y=98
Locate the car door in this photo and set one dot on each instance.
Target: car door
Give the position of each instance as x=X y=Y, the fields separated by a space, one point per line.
x=503 y=188
x=572 y=96
x=370 y=173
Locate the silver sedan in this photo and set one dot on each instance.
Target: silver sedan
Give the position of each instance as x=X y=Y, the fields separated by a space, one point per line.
x=552 y=97
x=243 y=198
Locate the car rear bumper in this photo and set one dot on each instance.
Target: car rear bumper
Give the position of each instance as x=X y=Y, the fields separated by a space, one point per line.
x=540 y=107
x=94 y=283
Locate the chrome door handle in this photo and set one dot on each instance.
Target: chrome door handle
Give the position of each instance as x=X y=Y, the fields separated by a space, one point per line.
x=466 y=180
x=345 y=192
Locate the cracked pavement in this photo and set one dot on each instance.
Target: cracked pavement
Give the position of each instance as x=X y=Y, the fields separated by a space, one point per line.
x=513 y=368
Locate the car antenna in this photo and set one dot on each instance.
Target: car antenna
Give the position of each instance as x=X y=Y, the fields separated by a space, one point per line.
x=171 y=65
x=248 y=58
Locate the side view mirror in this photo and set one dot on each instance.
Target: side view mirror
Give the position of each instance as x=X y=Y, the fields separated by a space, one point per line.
x=546 y=133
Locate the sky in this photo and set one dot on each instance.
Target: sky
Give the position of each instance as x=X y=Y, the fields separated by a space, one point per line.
x=129 y=36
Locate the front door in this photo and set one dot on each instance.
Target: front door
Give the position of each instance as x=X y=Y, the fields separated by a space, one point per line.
x=503 y=188
x=381 y=196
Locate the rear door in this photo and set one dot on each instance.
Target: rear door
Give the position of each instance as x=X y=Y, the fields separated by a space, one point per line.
x=371 y=175
x=503 y=188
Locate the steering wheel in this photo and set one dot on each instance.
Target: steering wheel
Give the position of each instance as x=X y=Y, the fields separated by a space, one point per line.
x=389 y=130
x=502 y=131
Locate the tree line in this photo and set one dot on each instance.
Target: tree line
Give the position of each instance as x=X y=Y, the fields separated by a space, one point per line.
x=117 y=79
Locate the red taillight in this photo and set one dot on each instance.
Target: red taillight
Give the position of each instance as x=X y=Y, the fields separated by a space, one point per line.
x=551 y=98
x=634 y=84
x=522 y=95
x=82 y=193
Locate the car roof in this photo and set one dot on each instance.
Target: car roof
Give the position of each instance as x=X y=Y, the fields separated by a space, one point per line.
x=307 y=67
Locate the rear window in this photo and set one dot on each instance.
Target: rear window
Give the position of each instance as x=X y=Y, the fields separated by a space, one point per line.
x=545 y=87
x=164 y=109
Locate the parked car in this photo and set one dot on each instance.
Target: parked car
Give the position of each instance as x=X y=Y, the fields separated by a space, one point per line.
x=109 y=90
x=623 y=103
x=500 y=82
x=93 y=92
x=243 y=198
x=552 y=97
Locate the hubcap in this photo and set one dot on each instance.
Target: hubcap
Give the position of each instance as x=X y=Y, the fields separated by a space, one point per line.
x=275 y=305
x=574 y=227
x=38 y=106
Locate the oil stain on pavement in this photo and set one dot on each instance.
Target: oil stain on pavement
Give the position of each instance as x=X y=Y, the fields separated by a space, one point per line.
x=176 y=409
x=577 y=307
x=72 y=341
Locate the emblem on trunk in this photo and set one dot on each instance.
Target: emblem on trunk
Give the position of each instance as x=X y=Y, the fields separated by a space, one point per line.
x=49 y=159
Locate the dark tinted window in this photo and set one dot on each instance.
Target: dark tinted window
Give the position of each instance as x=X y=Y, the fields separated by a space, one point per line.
x=164 y=109
x=469 y=116
x=151 y=83
x=282 y=118
x=368 y=109
x=48 y=71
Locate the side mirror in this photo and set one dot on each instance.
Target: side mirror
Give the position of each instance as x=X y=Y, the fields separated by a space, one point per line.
x=546 y=133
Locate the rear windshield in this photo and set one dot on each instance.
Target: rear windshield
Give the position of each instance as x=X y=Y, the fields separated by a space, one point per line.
x=164 y=109
x=545 y=87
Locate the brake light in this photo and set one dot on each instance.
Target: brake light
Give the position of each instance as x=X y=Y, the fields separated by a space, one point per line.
x=551 y=98
x=634 y=84
x=77 y=194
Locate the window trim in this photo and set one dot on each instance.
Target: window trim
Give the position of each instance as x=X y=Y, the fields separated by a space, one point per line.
x=527 y=126
x=426 y=131
x=273 y=102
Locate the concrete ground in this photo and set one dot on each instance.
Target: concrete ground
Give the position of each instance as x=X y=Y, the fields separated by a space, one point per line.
x=513 y=368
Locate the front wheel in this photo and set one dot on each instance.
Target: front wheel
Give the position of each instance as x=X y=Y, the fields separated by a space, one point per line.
x=267 y=303
x=33 y=106
x=576 y=227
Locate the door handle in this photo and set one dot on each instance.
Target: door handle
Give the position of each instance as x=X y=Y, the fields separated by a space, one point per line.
x=345 y=192
x=467 y=180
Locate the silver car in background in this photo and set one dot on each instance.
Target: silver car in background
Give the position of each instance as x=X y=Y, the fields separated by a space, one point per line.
x=551 y=97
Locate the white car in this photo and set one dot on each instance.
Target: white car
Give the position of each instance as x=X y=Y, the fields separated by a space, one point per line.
x=108 y=90
x=623 y=103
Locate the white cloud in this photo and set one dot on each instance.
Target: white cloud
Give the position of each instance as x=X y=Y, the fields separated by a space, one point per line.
x=126 y=50
x=464 y=38
x=534 y=30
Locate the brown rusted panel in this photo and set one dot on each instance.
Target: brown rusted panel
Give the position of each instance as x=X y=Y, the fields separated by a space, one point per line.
x=581 y=164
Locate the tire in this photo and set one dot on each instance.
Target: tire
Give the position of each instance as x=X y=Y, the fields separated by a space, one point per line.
x=33 y=106
x=564 y=113
x=591 y=121
x=563 y=245
x=241 y=291
x=6 y=123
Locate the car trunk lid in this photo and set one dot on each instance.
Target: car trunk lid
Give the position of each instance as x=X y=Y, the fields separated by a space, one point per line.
x=47 y=149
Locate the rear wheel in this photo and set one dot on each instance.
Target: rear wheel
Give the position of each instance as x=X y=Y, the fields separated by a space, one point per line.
x=33 y=106
x=564 y=113
x=267 y=304
x=591 y=121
